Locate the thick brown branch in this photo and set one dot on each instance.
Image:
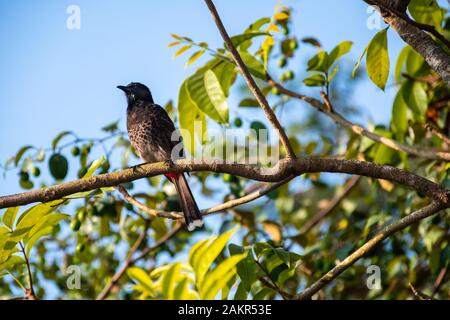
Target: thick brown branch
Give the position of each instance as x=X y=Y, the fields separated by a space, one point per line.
x=359 y=130
x=251 y=82
x=420 y=41
x=386 y=232
x=285 y=169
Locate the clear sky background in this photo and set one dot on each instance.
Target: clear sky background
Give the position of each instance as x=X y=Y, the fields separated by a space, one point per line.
x=54 y=79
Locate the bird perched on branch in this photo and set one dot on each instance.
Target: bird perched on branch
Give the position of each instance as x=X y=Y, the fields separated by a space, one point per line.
x=150 y=131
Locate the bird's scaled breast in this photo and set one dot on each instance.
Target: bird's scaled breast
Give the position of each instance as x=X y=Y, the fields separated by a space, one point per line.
x=140 y=134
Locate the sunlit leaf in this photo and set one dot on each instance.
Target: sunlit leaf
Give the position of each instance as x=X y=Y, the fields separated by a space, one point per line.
x=377 y=60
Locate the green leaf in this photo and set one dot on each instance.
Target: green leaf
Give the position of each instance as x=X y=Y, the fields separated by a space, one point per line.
x=426 y=12
x=169 y=281
x=414 y=63
x=340 y=50
x=94 y=166
x=194 y=57
x=183 y=292
x=182 y=50
x=225 y=73
x=9 y=216
x=11 y=261
x=31 y=216
x=249 y=103
x=209 y=254
x=239 y=39
x=140 y=276
x=415 y=96
x=318 y=62
x=217 y=279
x=192 y=120
x=255 y=66
x=333 y=73
x=113 y=127
x=241 y=292
x=20 y=153
x=246 y=268
x=258 y=24
x=358 y=63
x=399 y=116
x=205 y=92
x=316 y=80
x=400 y=62
x=377 y=60
x=50 y=220
x=39 y=234
x=59 y=137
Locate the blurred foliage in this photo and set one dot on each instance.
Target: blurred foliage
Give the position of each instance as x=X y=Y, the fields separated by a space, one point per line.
x=274 y=258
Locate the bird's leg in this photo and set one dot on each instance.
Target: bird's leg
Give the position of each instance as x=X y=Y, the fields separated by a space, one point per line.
x=170 y=163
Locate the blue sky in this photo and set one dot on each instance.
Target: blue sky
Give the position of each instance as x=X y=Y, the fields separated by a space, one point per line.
x=55 y=79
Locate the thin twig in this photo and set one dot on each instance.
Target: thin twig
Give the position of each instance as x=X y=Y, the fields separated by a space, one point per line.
x=251 y=82
x=263 y=190
x=418 y=294
x=130 y=261
x=436 y=132
x=351 y=183
x=29 y=292
x=359 y=130
x=271 y=283
x=386 y=232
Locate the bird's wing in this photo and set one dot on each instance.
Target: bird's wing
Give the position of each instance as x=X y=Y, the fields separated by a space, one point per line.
x=162 y=128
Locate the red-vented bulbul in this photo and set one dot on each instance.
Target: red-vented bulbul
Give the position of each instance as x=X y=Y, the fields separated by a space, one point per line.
x=150 y=130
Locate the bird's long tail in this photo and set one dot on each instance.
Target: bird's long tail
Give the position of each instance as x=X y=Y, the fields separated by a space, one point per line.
x=191 y=212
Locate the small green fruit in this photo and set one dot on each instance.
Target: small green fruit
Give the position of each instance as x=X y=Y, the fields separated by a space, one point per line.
x=282 y=62
x=81 y=247
x=36 y=172
x=58 y=166
x=82 y=172
x=227 y=177
x=75 y=151
x=289 y=75
x=24 y=176
x=275 y=91
x=238 y=122
x=75 y=224
x=293 y=44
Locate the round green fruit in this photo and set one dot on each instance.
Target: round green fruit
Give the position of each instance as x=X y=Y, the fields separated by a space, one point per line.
x=76 y=151
x=282 y=62
x=81 y=247
x=75 y=225
x=238 y=122
x=58 y=166
x=36 y=172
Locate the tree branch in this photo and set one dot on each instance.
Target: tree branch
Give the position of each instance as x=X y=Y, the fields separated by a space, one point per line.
x=410 y=31
x=130 y=261
x=251 y=82
x=386 y=232
x=283 y=170
x=351 y=183
x=262 y=191
x=359 y=130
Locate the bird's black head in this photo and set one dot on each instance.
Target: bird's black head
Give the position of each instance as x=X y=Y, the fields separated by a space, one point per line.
x=136 y=91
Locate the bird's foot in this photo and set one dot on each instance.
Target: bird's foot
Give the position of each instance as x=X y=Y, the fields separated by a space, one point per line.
x=170 y=163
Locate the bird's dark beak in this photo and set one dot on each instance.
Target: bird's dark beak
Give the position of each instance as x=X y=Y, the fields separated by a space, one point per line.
x=124 y=88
